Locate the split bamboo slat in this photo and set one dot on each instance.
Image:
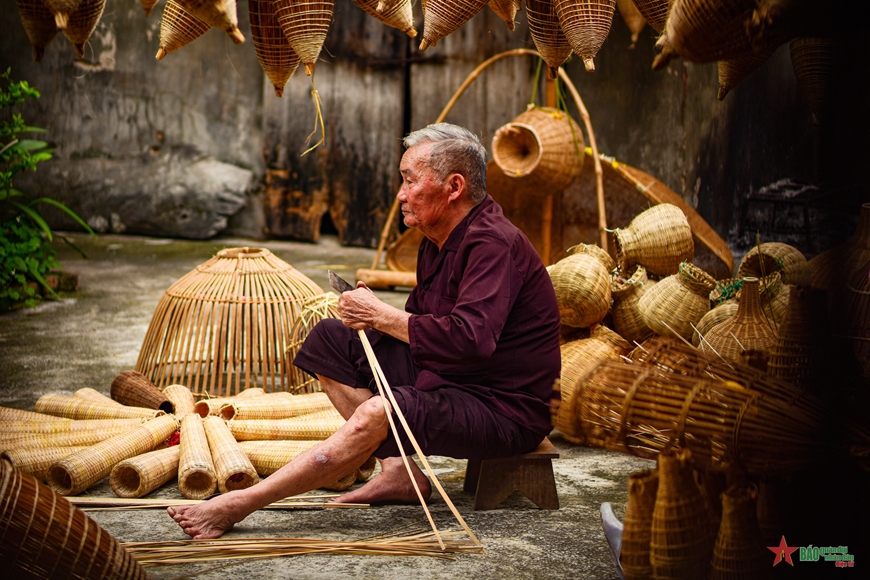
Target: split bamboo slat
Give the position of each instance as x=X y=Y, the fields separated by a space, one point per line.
x=305 y=24
x=21 y=440
x=582 y=285
x=739 y=551
x=276 y=406
x=178 y=28
x=312 y=311
x=655 y=12
x=196 y=474
x=267 y=457
x=181 y=399
x=632 y=17
x=397 y=15
x=659 y=239
x=9 y=414
x=39 y=24
x=148 y=6
x=625 y=313
x=77 y=472
x=637 y=525
x=442 y=17
x=78 y=408
x=506 y=10
x=314 y=426
x=140 y=475
x=275 y=54
x=220 y=14
x=62 y=9
x=770 y=257
x=37 y=460
x=225 y=326
x=232 y=467
x=135 y=389
x=547 y=34
x=44 y=536
x=586 y=24
x=95 y=395
x=675 y=304
x=82 y=23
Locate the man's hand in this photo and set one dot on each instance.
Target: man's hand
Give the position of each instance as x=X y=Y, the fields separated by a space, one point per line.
x=361 y=309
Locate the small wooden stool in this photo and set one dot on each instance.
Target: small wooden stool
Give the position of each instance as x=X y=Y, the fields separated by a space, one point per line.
x=493 y=480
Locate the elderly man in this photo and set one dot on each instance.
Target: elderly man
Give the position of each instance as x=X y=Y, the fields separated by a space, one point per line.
x=471 y=360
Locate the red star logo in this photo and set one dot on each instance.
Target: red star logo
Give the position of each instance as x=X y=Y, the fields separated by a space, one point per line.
x=783 y=552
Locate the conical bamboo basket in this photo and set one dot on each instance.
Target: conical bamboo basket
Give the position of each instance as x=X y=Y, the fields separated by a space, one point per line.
x=312 y=311
x=276 y=406
x=625 y=313
x=832 y=269
x=442 y=17
x=140 y=475
x=38 y=460
x=148 y=6
x=816 y=63
x=586 y=24
x=748 y=330
x=397 y=15
x=734 y=69
x=314 y=426
x=632 y=17
x=62 y=9
x=800 y=353
x=582 y=287
x=655 y=12
x=506 y=10
x=178 y=28
x=305 y=24
x=181 y=399
x=856 y=324
x=771 y=257
x=708 y=30
x=44 y=536
x=220 y=14
x=659 y=239
x=82 y=23
x=739 y=552
x=136 y=390
x=637 y=525
x=225 y=326
x=79 y=408
x=675 y=304
x=547 y=34
x=196 y=473
x=276 y=56
x=39 y=24
x=96 y=396
x=232 y=467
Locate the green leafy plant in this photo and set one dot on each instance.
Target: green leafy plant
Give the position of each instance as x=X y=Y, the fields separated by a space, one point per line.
x=26 y=253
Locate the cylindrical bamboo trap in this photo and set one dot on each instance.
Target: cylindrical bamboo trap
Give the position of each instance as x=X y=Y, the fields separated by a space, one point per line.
x=506 y=10
x=547 y=34
x=10 y=414
x=659 y=239
x=275 y=54
x=267 y=457
x=276 y=406
x=582 y=287
x=206 y=407
x=38 y=22
x=37 y=460
x=135 y=389
x=225 y=326
x=181 y=399
x=220 y=14
x=82 y=23
x=78 y=408
x=305 y=24
x=44 y=536
x=77 y=472
x=312 y=311
x=586 y=25
x=314 y=426
x=96 y=396
x=251 y=392
x=232 y=467
x=10 y=428
x=442 y=17
x=178 y=28
x=397 y=15
x=637 y=525
x=92 y=436
x=739 y=552
x=196 y=474
x=144 y=473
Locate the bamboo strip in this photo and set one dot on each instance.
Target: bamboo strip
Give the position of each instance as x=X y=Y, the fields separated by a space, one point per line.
x=37 y=461
x=90 y=394
x=196 y=474
x=232 y=467
x=78 y=408
x=144 y=473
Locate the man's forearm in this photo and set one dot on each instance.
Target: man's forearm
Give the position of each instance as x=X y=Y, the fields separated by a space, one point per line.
x=392 y=321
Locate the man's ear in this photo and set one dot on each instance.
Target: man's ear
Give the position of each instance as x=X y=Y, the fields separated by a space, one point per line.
x=456 y=185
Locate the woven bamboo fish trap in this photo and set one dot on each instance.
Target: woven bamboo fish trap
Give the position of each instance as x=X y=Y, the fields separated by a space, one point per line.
x=442 y=17
x=38 y=22
x=148 y=6
x=178 y=28
x=681 y=539
x=396 y=15
x=856 y=322
x=734 y=69
x=772 y=257
x=832 y=269
x=506 y=10
x=232 y=467
x=816 y=63
x=196 y=473
x=92 y=436
x=595 y=251
x=610 y=337
x=61 y=425
x=739 y=551
x=79 y=408
x=625 y=313
x=220 y=14
x=632 y=17
x=312 y=311
x=675 y=304
x=637 y=525
x=276 y=406
x=582 y=290
x=305 y=24
x=313 y=426
x=748 y=330
x=62 y=9
x=276 y=56
x=800 y=353
x=212 y=406
x=181 y=399
x=659 y=239
x=37 y=460
x=225 y=326
x=136 y=390
x=140 y=475
x=9 y=414
x=655 y=12
x=547 y=34
x=82 y=23
x=44 y=536
x=714 y=316
x=267 y=457
x=586 y=24
x=542 y=148
x=708 y=30
x=94 y=395
x=77 y=472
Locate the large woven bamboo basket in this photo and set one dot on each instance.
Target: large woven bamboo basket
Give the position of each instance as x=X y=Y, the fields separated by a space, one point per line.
x=442 y=17
x=595 y=251
x=305 y=24
x=136 y=390
x=632 y=18
x=312 y=311
x=739 y=551
x=655 y=12
x=637 y=525
x=277 y=58
x=62 y=10
x=582 y=287
x=816 y=63
x=659 y=239
x=44 y=536
x=675 y=304
x=506 y=10
x=140 y=475
x=225 y=326
x=178 y=28
x=37 y=460
x=542 y=148
x=547 y=34
x=220 y=14
x=748 y=330
x=232 y=467
x=396 y=15
x=38 y=22
x=771 y=257
x=586 y=25
x=800 y=353
x=625 y=313
x=82 y=23
x=314 y=426
x=196 y=473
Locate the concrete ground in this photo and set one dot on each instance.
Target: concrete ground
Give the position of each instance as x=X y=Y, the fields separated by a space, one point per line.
x=88 y=338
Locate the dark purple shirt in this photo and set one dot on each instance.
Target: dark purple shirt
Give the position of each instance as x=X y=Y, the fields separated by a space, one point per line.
x=485 y=317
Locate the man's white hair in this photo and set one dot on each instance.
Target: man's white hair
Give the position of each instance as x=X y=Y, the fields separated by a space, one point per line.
x=454 y=149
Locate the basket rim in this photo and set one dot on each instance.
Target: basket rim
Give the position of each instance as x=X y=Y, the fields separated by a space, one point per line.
x=504 y=129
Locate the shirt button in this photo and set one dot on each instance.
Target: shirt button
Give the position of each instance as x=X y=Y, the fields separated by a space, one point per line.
x=426 y=286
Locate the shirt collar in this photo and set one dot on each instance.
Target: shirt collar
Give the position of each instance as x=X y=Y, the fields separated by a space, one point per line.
x=458 y=233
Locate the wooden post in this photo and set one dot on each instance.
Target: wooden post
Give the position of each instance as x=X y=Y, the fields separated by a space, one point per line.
x=547 y=210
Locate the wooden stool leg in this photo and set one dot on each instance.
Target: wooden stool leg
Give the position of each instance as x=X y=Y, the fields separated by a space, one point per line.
x=472 y=475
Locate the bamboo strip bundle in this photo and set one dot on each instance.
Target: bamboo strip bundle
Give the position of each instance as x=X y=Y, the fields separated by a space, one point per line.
x=37 y=460
x=90 y=394
x=586 y=24
x=225 y=326
x=655 y=12
x=78 y=408
x=62 y=10
x=39 y=24
x=196 y=474
x=275 y=54
x=397 y=15
x=178 y=28
x=506 y=10
x=634 y=550
x=11 y=428
x=632 y=17
x=82 y=23
x=547 y=35
x=44 y=536
x=442 y=17
x=148 y=5
x=313 y=426
x=305 y=24
x=276 y=406
x=233 y=469
x=267 y=457
x=739 y=552
x=181 y=399
x=312 y=311
x=144 y=473
x=77 y=472
x=10 y=414
x=135 y=389
x=220 y=14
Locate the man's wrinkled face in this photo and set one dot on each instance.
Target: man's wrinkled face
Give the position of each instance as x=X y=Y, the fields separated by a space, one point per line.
x=423 y=195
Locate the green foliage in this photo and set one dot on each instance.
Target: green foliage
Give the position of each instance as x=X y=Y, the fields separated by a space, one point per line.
x=26 y=254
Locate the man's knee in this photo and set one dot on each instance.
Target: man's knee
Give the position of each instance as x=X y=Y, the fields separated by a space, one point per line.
x=371 y=416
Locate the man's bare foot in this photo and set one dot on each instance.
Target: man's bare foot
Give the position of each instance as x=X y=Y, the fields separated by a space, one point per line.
x=391 y=485
x=207 y=520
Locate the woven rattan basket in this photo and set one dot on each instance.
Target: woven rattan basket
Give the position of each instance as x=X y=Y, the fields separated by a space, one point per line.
x=547 y=34
x=771 y=257
x=586 y=25
x=82 y=23
x=178 y=28
x=542 y=148
x=96 y=396
x=506 y=10
x=306 y=427
x=816 y=63
x=442 y=17
x=714 y=317
x=595 y=251
x=232 y=467
x=305 y=25
x=38 y=22
x=397 y=15
x=312 y=311
x=632 y=18
x=220 y=14
x=582 y=286
x=750 y=329
x=637 y=525
x=675 y=304
x=655 y=12
x=659 y=239
x=144 y=473
x=277 y=58
x=225 y=326
x=80 y=408
x=37 y=460
x=44 y=536
x=196 y=473
x=625 y=314
x=136 y=390
x=739 y=551
x=181 y=399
